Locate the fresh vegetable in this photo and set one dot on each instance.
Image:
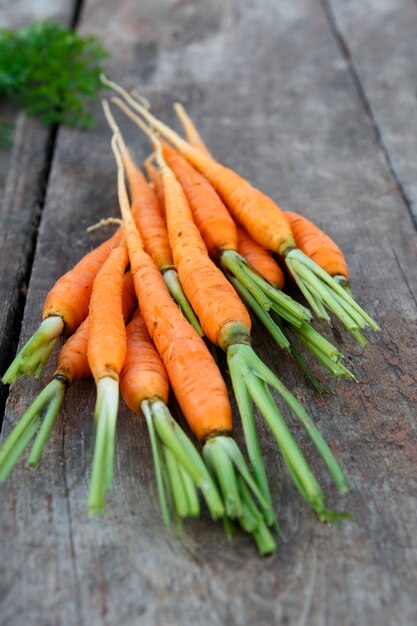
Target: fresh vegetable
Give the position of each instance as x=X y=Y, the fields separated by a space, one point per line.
x=150 y=222
x=180 y=471
x=155 y=178
x=65 y=307
x=190 y=130
x=260 y=258
x=194 y=376
x=319 y=247
x=268 y=224
x=41 y=416
x=220 y=235
x=106 y=354
x=226 y=323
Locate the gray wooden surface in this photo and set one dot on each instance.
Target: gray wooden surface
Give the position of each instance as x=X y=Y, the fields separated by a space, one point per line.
x=276 y=96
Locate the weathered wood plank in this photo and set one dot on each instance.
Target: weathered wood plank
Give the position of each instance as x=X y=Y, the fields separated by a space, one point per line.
x=379 y=38
x=23 y=174
x=273 y=97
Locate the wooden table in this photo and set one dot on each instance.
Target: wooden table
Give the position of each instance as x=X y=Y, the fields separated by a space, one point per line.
x=314 y=102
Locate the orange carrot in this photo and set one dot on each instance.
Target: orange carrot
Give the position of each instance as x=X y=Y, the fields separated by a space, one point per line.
x=144 y=385
x=269 y=226
x=147 y=214
x=155 y=178
x=41 y=416
x=260 y=258
x=257 y=255
x=190 y=130
x=66 y=306
x=221 y=238
x=228 y=325
x=106 y=354
x=143 y=376
x=319 y=247
x=203 y=205
x=194 y=376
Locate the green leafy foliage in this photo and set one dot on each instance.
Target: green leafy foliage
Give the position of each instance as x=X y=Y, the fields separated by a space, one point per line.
x=51 y=72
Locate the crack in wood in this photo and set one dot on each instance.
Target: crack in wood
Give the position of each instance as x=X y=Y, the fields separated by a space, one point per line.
x=345 y=51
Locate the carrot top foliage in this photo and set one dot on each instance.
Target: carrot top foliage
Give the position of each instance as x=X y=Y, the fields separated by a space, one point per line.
x=51 y=72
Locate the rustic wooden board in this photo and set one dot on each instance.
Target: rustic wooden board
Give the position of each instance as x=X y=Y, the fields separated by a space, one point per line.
x=23 y=174
x=273 y=97
x=380 y=43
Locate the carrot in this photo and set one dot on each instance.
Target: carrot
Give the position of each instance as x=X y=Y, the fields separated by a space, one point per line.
x=148 y=217
x=227 y=325
x=260 y=258
x=144 y=386
x=221 y=237
x=190 y=130
x=106 y=354
x=268 y=225
x=41 y=416
x=194 y=376
x=156 y=181
x=66 y=306
x=319 y=247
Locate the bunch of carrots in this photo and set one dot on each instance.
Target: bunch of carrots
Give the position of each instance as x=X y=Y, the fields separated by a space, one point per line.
x=191 y=267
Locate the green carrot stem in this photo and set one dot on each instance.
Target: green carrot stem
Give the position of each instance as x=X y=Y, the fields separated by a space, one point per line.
x=158 y=463
x=105 y=415
x=32 y=357
x=222 y=467
x=43 y=410
x=14 y=455
x=321 y=290
x=174 y=438
x=289 y=309
x=179 y=495
x=274 y=330
x=175 y=289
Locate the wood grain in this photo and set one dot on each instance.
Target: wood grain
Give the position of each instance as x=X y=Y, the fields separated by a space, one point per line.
x=273 y=97
x=380 y=43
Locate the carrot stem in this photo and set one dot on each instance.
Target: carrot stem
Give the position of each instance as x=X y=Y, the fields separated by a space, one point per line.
x=175 y=289
x=158 y=463
x=32 y=357
x=19 y=448
x=284 y=305
x=274 y=330
x=322 y=291
x=250 y=377
x=43 y=410
x=105 y=415
x=171 y=436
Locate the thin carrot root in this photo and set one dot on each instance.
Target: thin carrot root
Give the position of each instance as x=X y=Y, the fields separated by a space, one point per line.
x=173 y=283
x=33 y=356
x=323 y=292
x=39 y=418
x=251 y=379
x=239 y=488
x=180 y=470
x=105 y=415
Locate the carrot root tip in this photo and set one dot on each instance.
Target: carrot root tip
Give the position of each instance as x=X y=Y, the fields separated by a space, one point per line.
x=105 y=416
x=180 y=470
x=32 y=357
x=39 y=417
